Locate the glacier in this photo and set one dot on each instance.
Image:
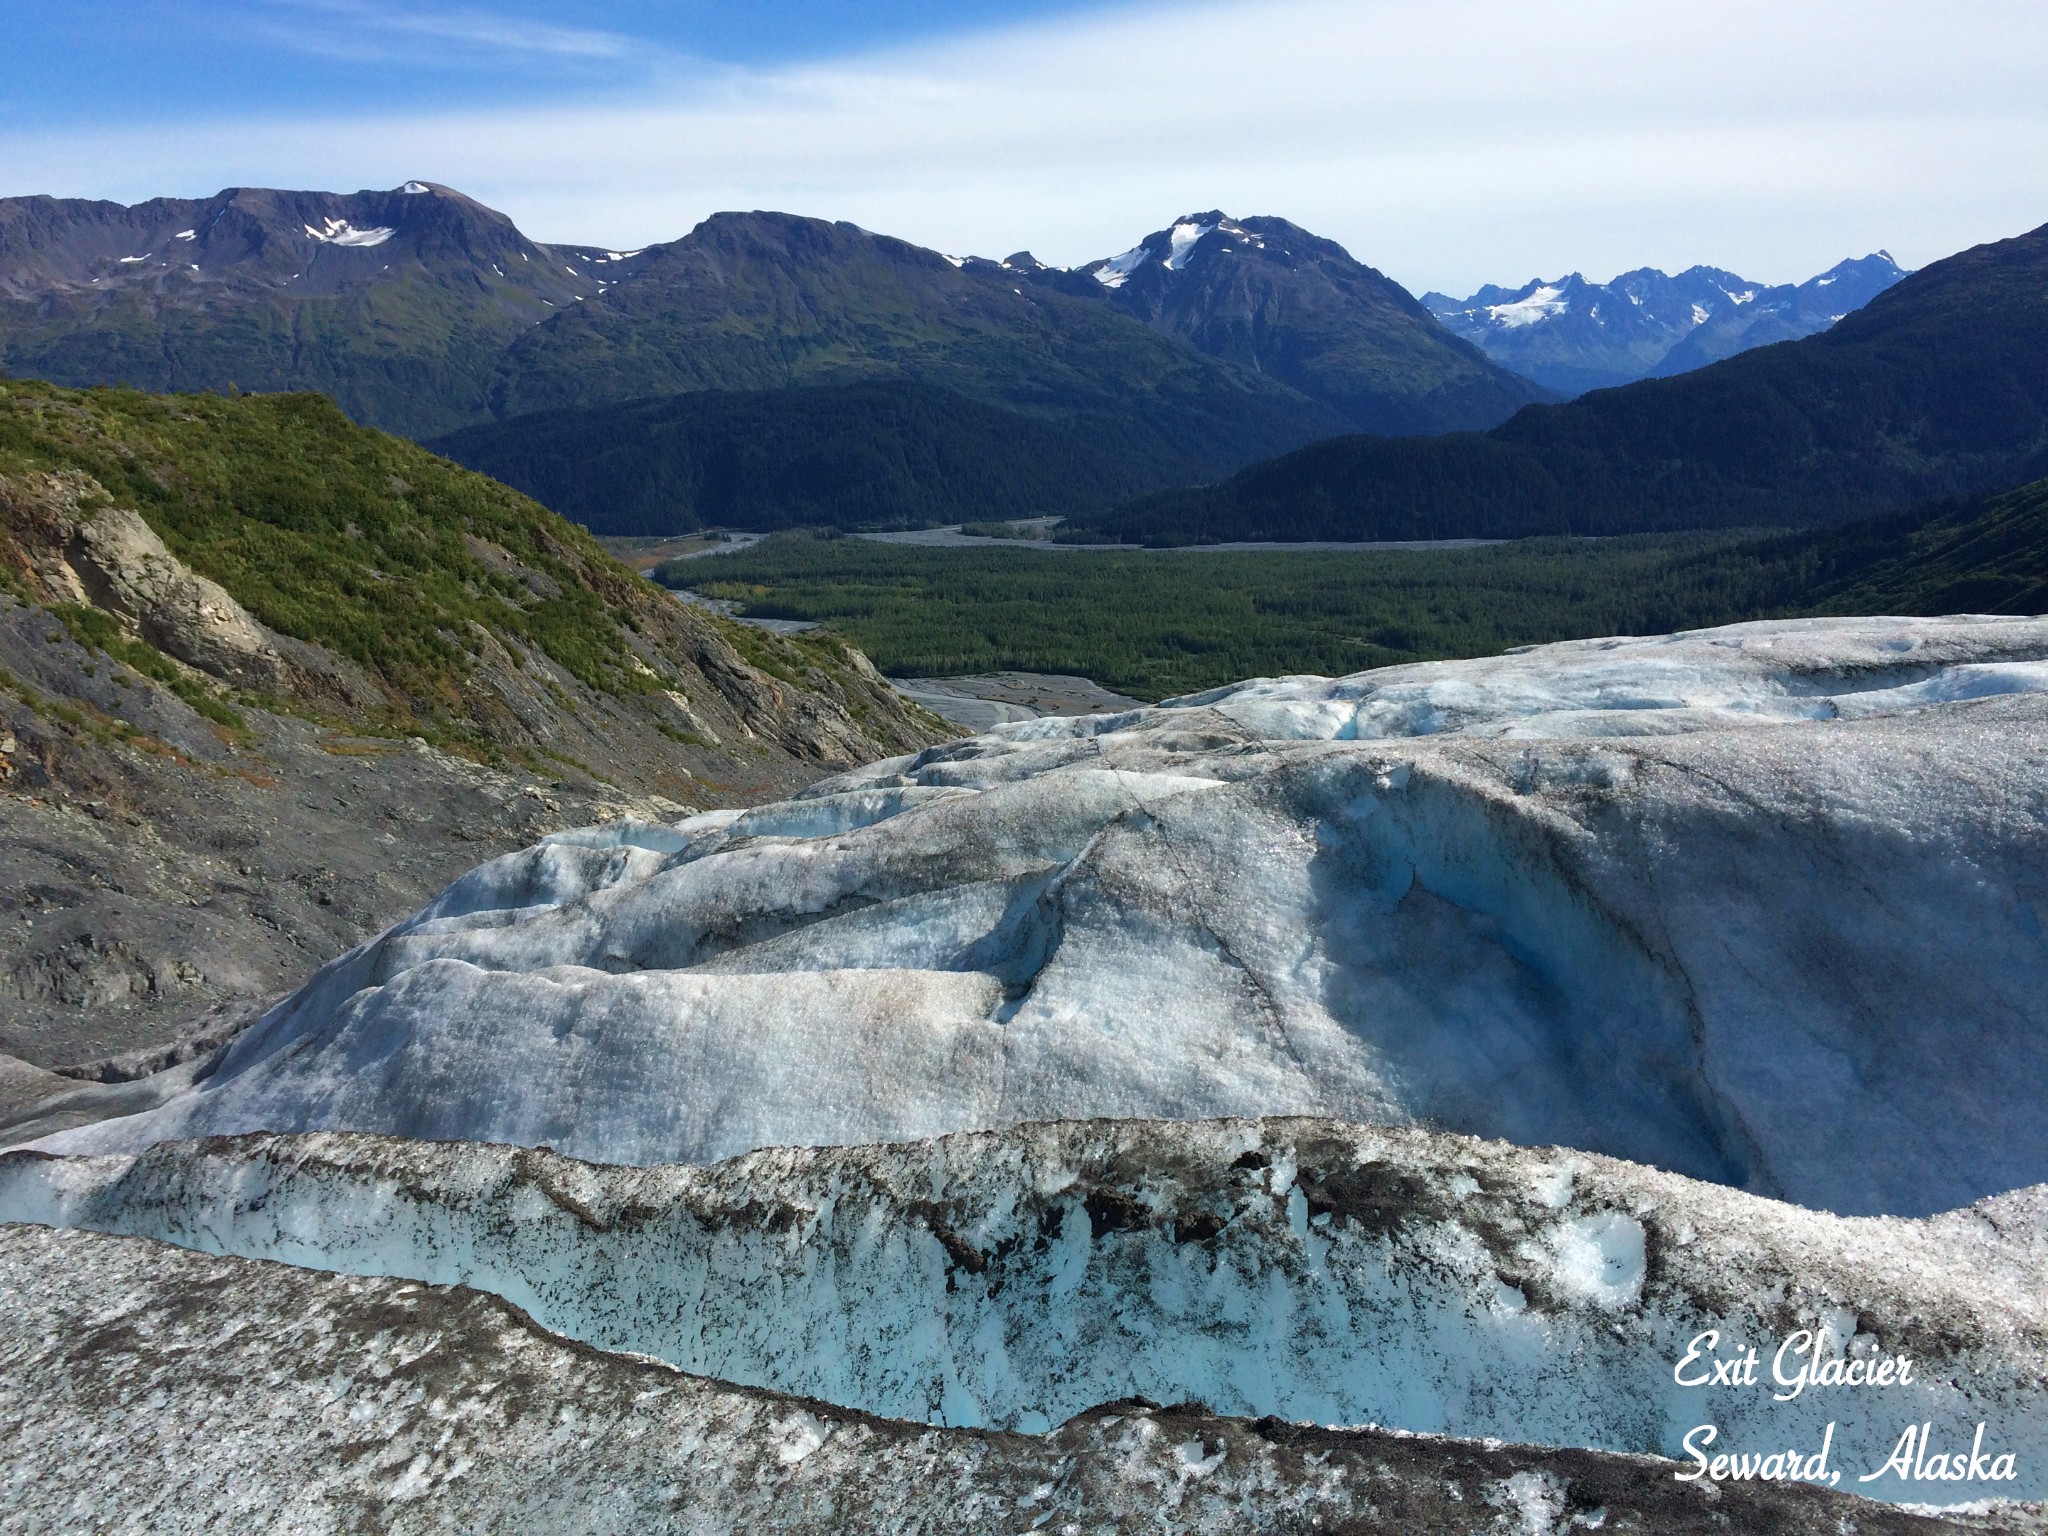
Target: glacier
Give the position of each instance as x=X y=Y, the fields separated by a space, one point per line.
x=152 y=1389
x=1760 y=905
x=1304 y=1270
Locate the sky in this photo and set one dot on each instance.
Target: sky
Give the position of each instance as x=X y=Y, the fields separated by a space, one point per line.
x=1448 y=142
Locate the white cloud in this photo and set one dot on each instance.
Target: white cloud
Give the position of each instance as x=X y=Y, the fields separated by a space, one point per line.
x=358 y=29
x=1448 y=143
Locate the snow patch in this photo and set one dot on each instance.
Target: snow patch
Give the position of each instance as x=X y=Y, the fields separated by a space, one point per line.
x=341 y=232
x=1600 y=1258
x=1535 y=1501
x=1116 y=271
x=1546 y=303
x=798 y=1437
x=1181 y=242
x=415 y=188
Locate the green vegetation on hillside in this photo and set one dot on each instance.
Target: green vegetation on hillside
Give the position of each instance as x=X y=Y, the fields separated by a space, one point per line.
x=891 y=454
x=332 y=533
x=1153 y=624
x=1981 y=554
x=409 y=353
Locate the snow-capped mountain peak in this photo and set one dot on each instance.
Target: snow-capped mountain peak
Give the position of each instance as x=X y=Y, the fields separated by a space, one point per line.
x=1562 y=335
x=1173 y=248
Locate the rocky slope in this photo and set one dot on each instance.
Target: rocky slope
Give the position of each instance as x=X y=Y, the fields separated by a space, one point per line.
x=1753 y=904
x=1571 y=335
x=318 y=1404
x=214 y=770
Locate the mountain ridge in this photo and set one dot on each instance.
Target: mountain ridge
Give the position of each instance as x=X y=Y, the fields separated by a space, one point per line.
x=1938 y=387
x=422 y=311
x=1572 y=335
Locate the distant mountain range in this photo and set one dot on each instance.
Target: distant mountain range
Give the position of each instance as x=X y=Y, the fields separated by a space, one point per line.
x=1570 y=335
x=1210 y=345
x=768 y=370
x=1938 y=387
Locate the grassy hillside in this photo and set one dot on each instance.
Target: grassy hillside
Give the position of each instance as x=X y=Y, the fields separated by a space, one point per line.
x=427 y=598
x=1939 y=386
x=1152 y=624
x=331 y=533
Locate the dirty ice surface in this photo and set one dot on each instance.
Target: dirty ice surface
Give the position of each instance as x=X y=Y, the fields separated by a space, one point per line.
x=1313 y=1271
x=1762 y=905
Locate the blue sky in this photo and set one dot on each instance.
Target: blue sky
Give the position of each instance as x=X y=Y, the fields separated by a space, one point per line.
x=1449 y=142
x=147 y=60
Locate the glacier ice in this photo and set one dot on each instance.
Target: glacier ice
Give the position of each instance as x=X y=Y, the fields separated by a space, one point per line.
x=1297 y=1268
x=1762 y=905
x=149 y=1389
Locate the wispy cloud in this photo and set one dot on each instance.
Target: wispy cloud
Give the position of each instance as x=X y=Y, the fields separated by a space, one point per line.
x=361 y=30
x=1453 y=143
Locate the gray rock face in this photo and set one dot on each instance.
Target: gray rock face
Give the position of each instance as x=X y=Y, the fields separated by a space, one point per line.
x=279 y=1399
x=1761 y=905
x=1305 y=1269
x=125 y=567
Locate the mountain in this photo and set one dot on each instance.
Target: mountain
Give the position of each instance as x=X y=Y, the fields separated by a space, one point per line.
x=419 y=310
x=966 y=388
x=397 y=304
x=1270 y=297
x=1571 y=335
x=1938 y=386
x=1785 y=313
x=269 y=678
